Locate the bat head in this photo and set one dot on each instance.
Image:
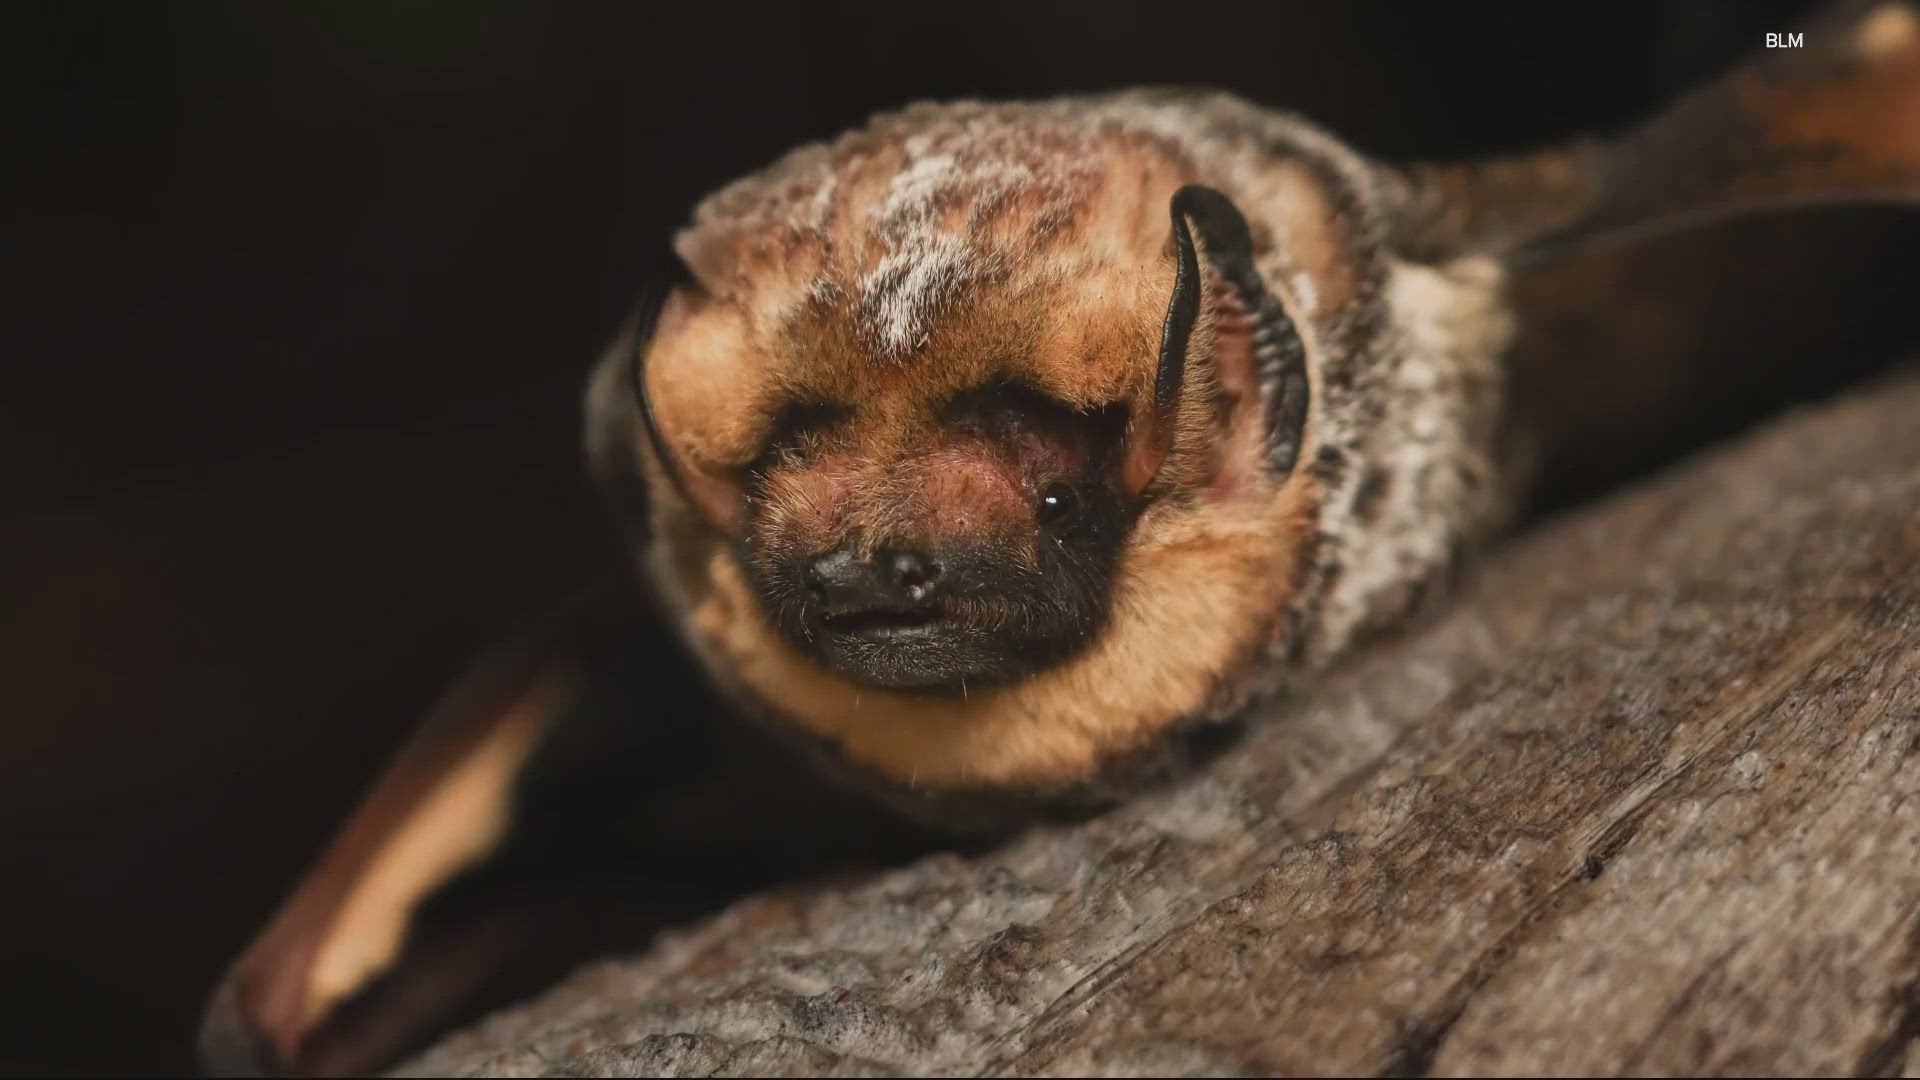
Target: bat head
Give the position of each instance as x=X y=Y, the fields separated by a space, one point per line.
x=975 y=442
x=934 y=435
x=917 y=503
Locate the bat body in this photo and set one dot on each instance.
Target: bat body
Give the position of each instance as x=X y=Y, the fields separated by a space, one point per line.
x=1272 y=431
x=994 y=456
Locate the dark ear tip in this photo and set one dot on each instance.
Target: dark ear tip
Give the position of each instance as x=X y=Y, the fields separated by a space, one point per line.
x=229 y=1043
x=1183 y=307
x=667 y=275
x=1229 y=239
x=1199 y=198
x=645 y=314
x=644 y=319
x=641 y=330
x=1229 y=243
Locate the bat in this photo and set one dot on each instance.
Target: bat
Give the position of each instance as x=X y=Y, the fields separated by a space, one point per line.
x=984 y=465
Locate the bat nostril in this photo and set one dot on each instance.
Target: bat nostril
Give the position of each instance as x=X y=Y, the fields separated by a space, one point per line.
x=910 y=572
x=814 y=580
x=835 y=575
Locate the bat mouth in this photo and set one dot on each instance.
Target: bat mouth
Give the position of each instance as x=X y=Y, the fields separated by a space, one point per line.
x=884 y=623
x=919 y=648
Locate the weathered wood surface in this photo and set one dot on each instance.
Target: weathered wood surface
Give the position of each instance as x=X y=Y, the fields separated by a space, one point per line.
x=1645 y=798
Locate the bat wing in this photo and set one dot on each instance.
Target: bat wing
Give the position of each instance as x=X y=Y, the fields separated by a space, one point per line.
x=573 y=794
x=1830 y=114
x=469 y=849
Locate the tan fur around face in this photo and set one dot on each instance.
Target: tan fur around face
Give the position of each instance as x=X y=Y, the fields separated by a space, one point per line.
x=1184 y=617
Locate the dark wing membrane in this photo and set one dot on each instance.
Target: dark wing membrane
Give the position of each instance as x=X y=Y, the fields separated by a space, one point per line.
x=1835 y=119
x=571 y=796
x=497 y=816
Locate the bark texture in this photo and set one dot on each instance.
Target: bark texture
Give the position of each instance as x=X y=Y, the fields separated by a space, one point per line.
x=1645 y=798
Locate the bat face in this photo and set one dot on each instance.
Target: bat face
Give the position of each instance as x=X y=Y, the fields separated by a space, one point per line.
x=921 y=470
x=937 y=545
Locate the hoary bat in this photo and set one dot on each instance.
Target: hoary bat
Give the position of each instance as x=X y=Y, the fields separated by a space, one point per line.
x=986 y=463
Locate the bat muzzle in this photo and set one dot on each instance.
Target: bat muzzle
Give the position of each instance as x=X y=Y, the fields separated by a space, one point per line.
x=933 y=621
x=888 y=618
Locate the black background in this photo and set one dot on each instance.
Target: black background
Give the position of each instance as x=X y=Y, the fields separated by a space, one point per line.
x=298 y=305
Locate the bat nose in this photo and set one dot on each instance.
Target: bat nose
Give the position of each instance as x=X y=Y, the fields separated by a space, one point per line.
x=843 y=578
x=909 y=572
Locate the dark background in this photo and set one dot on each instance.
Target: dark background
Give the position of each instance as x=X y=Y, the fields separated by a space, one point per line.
x=298 y=305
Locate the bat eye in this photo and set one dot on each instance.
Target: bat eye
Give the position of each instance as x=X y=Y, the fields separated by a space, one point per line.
x=1058 y=504
x=797 y=423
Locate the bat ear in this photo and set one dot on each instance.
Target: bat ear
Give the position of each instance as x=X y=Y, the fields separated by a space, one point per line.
x=1252 y=349
x=719 y=499
x=1831 y=115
